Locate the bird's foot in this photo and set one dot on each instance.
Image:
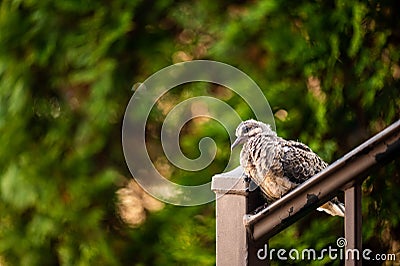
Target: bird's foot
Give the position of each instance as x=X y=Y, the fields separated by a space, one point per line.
x=262 y=207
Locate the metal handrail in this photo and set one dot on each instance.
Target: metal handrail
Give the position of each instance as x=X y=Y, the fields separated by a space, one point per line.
x=323 y=186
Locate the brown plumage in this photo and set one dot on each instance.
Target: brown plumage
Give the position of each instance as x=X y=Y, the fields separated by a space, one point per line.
x=278 y=165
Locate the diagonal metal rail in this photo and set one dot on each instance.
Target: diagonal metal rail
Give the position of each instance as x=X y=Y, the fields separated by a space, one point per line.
x=340 y=175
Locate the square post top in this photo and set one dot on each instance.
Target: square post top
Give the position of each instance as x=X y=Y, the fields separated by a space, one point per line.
x=232 y=182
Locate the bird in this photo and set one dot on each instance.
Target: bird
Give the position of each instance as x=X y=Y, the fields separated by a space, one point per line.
x=278 y=165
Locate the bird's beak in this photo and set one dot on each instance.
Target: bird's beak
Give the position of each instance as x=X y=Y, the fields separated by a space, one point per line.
x=238 y=141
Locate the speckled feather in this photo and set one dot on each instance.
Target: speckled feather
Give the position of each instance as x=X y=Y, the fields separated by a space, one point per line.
x=278 y=165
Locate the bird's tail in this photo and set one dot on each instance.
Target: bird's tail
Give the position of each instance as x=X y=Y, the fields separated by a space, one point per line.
x=333 y=207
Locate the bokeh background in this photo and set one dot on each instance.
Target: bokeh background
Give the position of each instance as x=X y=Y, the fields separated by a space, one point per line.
x=329 y=69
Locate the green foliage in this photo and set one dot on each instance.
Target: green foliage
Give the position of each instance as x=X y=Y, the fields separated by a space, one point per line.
x=329 y=69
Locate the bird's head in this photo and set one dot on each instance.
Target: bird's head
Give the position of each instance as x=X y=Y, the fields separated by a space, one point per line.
x=251 y=128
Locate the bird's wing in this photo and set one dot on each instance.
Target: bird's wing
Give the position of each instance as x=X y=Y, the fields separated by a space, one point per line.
x=299 y=162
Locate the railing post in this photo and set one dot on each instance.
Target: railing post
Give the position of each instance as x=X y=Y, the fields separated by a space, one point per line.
x=353 y=225
x=233 y=201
